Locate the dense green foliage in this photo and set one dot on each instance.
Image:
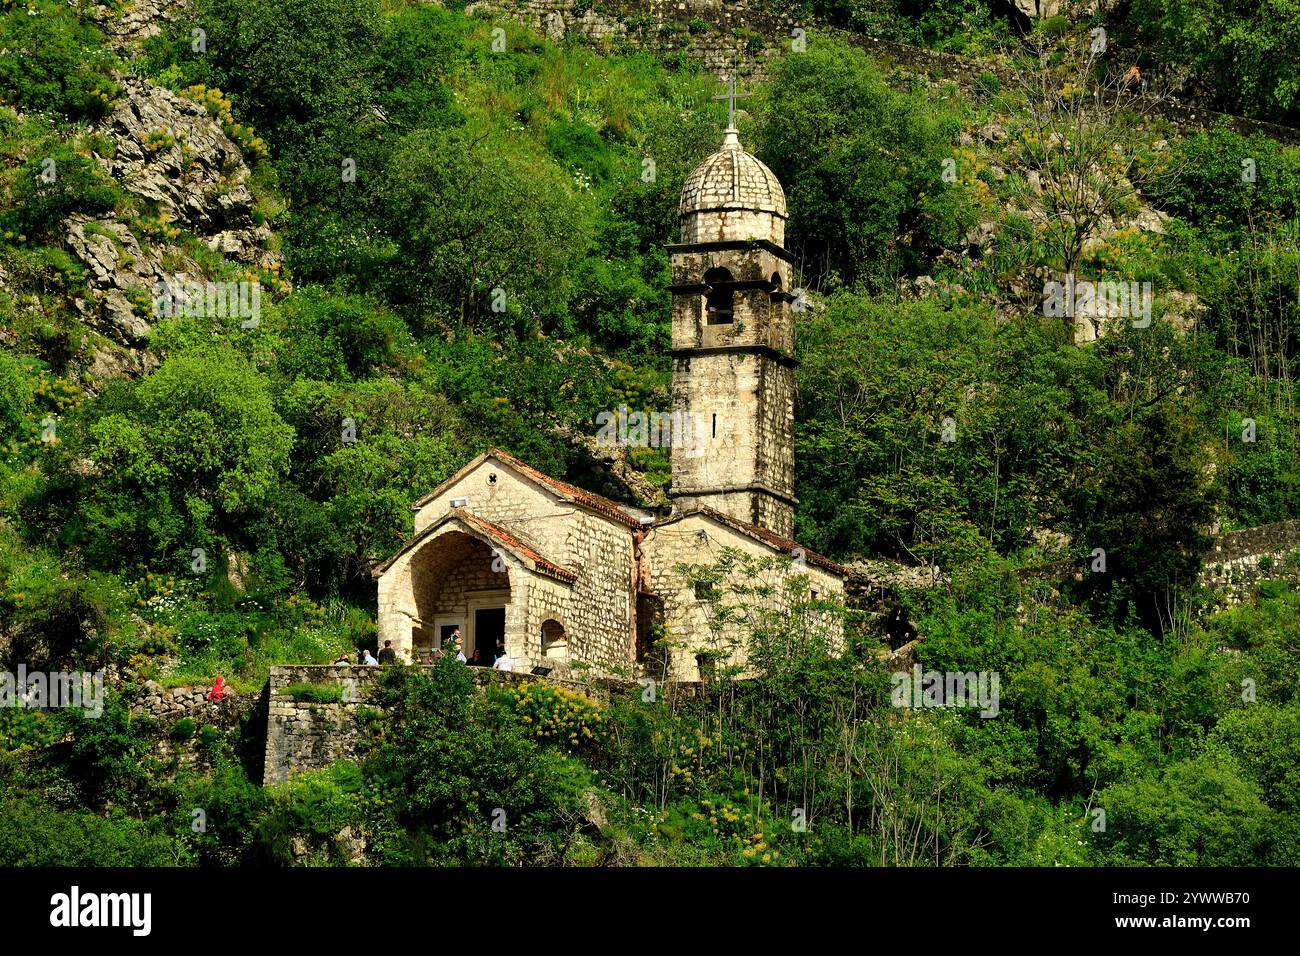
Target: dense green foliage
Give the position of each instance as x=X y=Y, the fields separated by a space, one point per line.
x=54 y=61
x=474 y=254
x=1238 y=56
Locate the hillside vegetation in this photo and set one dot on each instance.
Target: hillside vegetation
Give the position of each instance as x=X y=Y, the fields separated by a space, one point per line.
x=460 y=246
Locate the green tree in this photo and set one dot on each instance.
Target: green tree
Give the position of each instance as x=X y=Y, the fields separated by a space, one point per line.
x=1242 y=54
x=1146 y=502
x=862 y=166
x=188 y=457
x=475 y=214
x=1200 y=812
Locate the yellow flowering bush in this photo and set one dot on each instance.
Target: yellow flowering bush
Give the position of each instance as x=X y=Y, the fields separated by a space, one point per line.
x=219 y=108
x=1123 y=254
x=554 y=713
x=157 y=140
x=157 y=228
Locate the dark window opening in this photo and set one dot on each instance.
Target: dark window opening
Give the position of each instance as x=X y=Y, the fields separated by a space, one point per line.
x=777 y=295
x=720 y=300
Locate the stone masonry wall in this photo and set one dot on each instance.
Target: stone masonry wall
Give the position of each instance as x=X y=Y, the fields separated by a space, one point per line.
x=745 y=35
x=752 y=398
x=717 y=34
x=1238 y=560
x=166 y=707
x=301 y=735
x=1234 y=564
x=686 y=615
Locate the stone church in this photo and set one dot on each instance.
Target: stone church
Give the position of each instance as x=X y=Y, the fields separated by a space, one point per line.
x=569 y=580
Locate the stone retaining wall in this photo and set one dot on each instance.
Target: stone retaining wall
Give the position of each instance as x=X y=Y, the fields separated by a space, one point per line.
x=1238 y=560
x=167 y=706
x=1233 y=565
x=304 y=735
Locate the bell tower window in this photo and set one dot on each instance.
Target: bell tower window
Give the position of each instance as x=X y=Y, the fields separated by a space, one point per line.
x=720 y=299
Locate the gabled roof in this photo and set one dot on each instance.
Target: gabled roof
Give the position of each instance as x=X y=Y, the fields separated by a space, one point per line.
x=772 y=539
x=561 y=489
x=488 y=533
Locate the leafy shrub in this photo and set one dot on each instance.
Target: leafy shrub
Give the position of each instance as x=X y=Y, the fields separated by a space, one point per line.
x=183 y=729
x=41 y=205
x=23 y=728
x=447 y=770
x=211 y=738
x=1200 y=812
x=336 y=338
x=106 y=757
x=1225 y=179
x=15 y=399
x=54 y=61
x=33 y=834
x=1240 y=55
x=233 y=807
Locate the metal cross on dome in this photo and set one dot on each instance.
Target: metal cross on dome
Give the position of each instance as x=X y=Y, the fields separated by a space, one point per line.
x=731 y=96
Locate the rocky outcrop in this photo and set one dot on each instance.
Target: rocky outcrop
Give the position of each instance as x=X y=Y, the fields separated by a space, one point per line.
x=168 y=152
x=136 y=20
x=171 y=153
x=121 y=275
x=627 y=481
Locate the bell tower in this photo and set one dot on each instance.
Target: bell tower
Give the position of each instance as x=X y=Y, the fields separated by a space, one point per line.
x=733 y=341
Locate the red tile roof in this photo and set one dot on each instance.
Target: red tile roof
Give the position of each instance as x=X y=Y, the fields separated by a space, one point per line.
x=488 y=530
x=586 y=499
x=514 y=544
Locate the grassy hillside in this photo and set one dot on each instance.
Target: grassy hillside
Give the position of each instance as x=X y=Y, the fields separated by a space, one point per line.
x=461 y=246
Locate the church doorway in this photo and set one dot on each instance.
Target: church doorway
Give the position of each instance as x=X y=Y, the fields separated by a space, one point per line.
x=489 y=633
x=429 y=640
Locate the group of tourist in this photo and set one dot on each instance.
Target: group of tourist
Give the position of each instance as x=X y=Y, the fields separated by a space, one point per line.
x=500 y=660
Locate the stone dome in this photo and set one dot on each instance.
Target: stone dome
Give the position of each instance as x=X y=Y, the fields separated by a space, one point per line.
x=732 y=179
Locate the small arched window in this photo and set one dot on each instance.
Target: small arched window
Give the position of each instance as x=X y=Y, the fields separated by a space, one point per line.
x=720 y=298
x=774 y=297
x=555 y=645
